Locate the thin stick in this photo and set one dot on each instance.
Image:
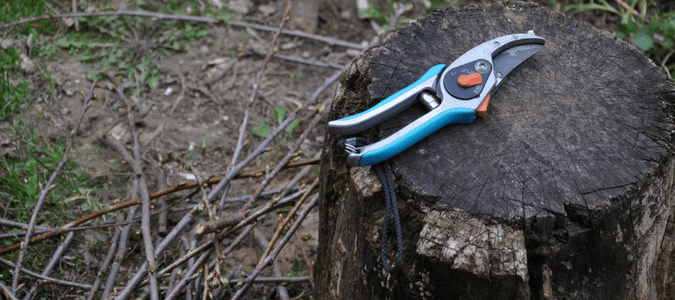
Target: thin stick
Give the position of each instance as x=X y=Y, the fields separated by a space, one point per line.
x=45 y=190
x=238 y=199
x=271 y=175
x=77 y=22
x=206 y=282
x=256 y=86
x=633 y=11
x=47 y=278
x=108 y=259
x=121 y=248
x=211 y=209
x=136 y=201
x=268 y=261
x=52 y=280
x=663 y=63
x=275 y=280
x=52 y=262
x=299 y=60
x=188 y=275
x=22 y=225
x=264 y=243
x=158 y=16
x=163 y=206
x=7 y=292
x=143 y=190
x=304 y=256
x=290 y=216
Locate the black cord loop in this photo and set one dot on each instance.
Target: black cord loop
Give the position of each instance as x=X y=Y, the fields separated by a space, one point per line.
x=391 y=206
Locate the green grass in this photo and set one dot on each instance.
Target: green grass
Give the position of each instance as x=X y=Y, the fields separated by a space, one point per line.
x=644 y=25
x=12 y=92
x=15 y=10
x=36 y=259
x=297 y=268
x=130 y=46
x=22 y=178
x=23 y=174
x=279 y=114
x=383 y=15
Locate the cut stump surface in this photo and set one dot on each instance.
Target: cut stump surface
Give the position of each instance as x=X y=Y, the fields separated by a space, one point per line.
x=563 y=191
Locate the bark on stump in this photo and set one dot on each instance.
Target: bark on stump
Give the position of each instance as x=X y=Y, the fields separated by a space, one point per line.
x=563 y=191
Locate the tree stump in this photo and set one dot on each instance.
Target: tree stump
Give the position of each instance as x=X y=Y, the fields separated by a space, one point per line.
x=563 y=191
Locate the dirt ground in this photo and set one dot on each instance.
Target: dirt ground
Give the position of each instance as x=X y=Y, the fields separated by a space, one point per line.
x=192 y=119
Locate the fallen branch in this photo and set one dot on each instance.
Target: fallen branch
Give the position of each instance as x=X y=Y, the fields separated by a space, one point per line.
x=275 y=280
x=271 y=175
x=52 y=262
x=298 y=60
x=276 y=269
x=47 y=187
x=158 y=16
x=289 y=217
x=7 y=292
x=633 y=11
x=46 y=279
x=122 y=205
x=253 y=218
x=143 y=190
x=256 y=86
x=273 y=256
x=107 y=261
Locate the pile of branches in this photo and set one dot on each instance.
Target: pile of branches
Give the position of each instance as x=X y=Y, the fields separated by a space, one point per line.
x=202 y=243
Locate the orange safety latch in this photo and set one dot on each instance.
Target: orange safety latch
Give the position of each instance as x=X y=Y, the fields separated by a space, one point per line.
x=467 y=81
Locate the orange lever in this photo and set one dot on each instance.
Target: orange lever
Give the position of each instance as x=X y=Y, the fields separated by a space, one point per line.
x=481 y=111
x=470 y=80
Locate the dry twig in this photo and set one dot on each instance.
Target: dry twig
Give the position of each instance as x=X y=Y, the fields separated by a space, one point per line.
x=47 y=187
x=264 y=243
x=52 y=262
x=158 y=16
x=143 y=191
x=633 y=11
x=7 y=292
x=273 y=256
x=299 y=60
x=256 y=86
x=108 y=259
x=298 y=142
x=136 y=201
x=223 y=182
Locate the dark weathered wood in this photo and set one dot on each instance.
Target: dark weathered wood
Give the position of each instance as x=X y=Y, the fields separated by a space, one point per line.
x=563 y=191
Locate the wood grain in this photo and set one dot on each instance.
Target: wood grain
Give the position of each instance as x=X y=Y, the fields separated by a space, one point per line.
x=565 y=190
x=580 y=122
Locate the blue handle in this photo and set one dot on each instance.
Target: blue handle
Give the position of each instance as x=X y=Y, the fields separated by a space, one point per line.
x=457 y=115
x=433 y=71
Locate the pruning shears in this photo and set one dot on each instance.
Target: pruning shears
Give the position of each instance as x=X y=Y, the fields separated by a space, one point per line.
x=453 y=94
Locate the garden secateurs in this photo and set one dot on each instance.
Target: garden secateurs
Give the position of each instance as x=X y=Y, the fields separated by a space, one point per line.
x=453 y=94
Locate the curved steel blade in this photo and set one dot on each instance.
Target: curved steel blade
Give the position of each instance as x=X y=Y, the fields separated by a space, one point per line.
x=510 y=58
